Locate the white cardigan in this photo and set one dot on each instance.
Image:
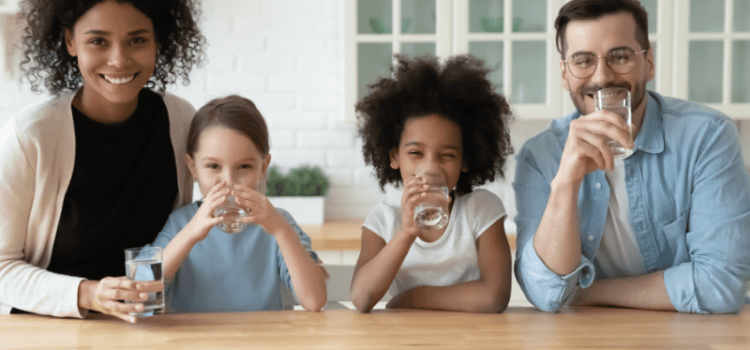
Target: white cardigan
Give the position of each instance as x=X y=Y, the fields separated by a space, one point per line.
x=37 y=152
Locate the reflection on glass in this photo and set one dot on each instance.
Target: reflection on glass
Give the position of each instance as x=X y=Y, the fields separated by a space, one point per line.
x=651 y=7
x=741 y=16
x=529 y=72
x=492 y=54
x=652 y=84
x=486 y=16
x=706 y=16
x=705 y=66
x=741 y=71
x=418 y=49
x=374 y=17
x=529 y=15
x=373 y=62
x=418 y=16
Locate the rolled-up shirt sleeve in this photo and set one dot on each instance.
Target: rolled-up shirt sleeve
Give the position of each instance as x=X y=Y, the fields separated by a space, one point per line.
x=714 y=232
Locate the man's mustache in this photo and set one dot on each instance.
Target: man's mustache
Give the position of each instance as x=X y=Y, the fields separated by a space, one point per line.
x=592 y=89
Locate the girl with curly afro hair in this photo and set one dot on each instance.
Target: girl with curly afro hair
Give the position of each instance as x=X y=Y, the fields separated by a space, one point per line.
x=449 y=116
x=98 y=166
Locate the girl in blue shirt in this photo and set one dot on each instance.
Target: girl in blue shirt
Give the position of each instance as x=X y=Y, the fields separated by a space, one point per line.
x=211 y=270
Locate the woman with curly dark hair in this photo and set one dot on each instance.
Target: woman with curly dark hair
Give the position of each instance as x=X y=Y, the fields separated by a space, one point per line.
x=98 y=167
x=450 y=117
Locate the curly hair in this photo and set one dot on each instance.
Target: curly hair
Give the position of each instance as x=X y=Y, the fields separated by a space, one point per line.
x=460 y=91
x=46 y=59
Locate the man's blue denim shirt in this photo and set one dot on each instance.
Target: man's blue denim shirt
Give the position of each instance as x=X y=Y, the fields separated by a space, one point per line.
x=689 y=196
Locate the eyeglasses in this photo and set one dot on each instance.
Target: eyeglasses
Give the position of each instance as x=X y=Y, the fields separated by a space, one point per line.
x=620 y=60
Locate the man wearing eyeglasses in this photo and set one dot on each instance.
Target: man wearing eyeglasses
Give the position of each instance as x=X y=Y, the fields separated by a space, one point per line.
x=667 y=228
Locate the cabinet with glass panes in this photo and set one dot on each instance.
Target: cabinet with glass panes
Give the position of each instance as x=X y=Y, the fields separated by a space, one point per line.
x=701 y=48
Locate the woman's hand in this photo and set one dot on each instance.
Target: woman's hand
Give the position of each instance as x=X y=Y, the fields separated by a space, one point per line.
x=107 y=296
x=204 y=219
x=259 y=209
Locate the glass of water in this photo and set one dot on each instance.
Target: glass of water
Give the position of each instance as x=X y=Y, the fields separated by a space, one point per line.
x=432 y=212
x=145 y=264
x=233 y=214
x=616 y=100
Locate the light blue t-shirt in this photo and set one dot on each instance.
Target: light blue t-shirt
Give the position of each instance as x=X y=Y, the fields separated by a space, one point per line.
x=688 y=195
x=228 y=272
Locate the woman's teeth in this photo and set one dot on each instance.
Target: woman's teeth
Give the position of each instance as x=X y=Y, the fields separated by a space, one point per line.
x=118 y=81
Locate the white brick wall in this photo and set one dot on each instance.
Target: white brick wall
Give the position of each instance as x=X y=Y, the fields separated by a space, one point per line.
x=287 y=56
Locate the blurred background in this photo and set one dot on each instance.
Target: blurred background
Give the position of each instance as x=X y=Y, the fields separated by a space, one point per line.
x=306 y=62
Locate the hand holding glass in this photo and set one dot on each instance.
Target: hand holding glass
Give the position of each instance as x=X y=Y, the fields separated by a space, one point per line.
x=233 y=215
x=145 y=264
x=616 y=100
x=430 y=213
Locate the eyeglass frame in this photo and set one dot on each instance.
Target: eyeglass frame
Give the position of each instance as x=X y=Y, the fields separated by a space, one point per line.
x=596 y=63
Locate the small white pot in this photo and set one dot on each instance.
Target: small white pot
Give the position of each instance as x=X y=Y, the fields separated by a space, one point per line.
x=304 y=210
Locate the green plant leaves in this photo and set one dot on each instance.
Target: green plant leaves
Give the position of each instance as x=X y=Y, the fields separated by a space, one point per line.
x=300 y=181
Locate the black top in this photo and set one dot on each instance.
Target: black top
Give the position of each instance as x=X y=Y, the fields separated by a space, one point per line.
x=123 y=188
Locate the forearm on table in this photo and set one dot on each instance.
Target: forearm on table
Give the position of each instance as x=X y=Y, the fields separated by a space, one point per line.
x=372 y=280
x=639 y=292
x=557 y=239
x=307 y=278
x=475 y=296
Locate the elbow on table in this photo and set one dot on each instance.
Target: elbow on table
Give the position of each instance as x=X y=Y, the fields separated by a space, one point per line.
x=363 y=304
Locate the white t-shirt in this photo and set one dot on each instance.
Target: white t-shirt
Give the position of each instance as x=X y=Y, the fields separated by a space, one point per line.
x=619 y=254
x=453 y=257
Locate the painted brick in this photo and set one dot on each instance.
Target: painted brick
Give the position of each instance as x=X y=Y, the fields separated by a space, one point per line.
x=325 y=139
x=283 y=139
x=295 y=120
x=273 y=102
x=292 y=158
x=266 y=63
x=345 y=158
x=298 y=82
x=223 y=84
x=320 y=102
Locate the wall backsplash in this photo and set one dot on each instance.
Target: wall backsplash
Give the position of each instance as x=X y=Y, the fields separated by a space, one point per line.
x=287 y=57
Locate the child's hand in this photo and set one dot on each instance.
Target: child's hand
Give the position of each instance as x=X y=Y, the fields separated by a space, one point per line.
x=204 y=219
x=414 y=192
x=259 y=209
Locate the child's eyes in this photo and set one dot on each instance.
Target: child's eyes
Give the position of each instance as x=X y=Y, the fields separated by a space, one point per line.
x=212 y=166
x=138 y=40
x=246 y=166
x=414 y=152
x=449 y=155
x=96 y=41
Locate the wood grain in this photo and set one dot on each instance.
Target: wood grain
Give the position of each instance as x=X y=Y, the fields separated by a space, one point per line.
x=517 y=328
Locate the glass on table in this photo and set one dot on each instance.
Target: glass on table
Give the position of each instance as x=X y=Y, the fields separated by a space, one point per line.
x=432 y=212
x=616 y=100
x=145 y=264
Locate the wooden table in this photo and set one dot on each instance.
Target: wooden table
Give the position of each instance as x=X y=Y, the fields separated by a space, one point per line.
x=516 y=328
x=346 y=235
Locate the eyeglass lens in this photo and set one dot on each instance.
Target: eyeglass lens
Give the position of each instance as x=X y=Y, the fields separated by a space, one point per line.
x=583 y=65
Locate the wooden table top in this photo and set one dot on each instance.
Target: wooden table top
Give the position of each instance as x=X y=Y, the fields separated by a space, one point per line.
x=346 y=235
x=516 y=328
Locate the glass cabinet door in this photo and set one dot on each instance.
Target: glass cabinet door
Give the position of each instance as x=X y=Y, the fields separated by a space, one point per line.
x=514 y=38
x=375 y=30
x=713 y=54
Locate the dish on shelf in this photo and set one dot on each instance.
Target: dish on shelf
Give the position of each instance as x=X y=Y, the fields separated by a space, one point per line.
x=382 y=26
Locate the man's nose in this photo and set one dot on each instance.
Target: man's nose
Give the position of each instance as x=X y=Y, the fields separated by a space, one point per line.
x=602 y=74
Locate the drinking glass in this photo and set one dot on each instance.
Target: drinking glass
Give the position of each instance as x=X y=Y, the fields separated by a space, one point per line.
x=431 y=213
x=616 y=100
x=145 y=264
x=233 y=214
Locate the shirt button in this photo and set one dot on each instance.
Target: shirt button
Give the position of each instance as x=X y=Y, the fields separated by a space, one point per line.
x=598 y=186
x=591 y=238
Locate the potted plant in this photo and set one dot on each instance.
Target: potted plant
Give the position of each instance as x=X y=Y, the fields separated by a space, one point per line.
x=301 y=192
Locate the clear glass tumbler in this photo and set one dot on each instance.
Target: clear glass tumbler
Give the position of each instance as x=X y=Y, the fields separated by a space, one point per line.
x=616 y=100
x=145 y=264
x=233 y=214
x=432 y=212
